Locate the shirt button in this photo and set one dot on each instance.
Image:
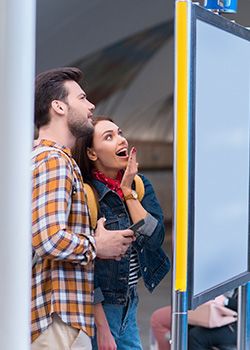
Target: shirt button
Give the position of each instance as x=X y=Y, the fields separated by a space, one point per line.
x=152 y=285
x=145 y=269
x=142 y=250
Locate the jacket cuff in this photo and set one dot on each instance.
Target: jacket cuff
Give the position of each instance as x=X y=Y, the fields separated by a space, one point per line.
x=98 y=296
x=150 y=225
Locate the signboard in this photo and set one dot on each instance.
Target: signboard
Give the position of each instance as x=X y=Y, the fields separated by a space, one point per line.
x=218 y=163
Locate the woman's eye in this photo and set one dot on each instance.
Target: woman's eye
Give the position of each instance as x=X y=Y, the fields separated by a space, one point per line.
x=108 y=137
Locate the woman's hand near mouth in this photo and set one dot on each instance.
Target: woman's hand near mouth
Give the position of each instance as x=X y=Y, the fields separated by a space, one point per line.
x=136 y=210
x=130 y=172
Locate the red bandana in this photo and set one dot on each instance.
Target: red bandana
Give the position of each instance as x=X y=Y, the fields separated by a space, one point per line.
x=113 y=184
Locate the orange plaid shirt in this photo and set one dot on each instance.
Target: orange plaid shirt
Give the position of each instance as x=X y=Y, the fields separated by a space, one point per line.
x=63 y=244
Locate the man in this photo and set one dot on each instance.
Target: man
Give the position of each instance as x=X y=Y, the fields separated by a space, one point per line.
x=63 y=244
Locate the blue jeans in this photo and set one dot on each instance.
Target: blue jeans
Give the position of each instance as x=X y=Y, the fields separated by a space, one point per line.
x=122 y=321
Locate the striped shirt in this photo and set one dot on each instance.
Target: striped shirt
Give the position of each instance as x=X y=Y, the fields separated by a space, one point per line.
x=62 y=276
x=133 y=268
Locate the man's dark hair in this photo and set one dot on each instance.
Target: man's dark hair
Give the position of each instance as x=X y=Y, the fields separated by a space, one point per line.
x=49 y=86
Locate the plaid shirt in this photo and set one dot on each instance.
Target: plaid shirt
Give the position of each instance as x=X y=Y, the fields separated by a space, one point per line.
x=62 y=277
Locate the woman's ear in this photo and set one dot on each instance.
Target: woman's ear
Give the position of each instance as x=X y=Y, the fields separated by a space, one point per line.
x=91 y=154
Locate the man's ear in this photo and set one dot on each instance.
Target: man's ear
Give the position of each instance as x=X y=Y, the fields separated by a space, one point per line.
x=91 y=154
x=58 y=106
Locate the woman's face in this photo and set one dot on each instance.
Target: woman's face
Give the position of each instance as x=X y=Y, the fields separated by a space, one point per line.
x=110 y=148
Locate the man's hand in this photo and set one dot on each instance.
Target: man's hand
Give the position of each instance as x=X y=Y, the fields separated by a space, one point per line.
x=112 y=244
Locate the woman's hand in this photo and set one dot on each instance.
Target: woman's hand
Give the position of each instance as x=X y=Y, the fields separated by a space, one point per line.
x=130 y=172
x=105 y=339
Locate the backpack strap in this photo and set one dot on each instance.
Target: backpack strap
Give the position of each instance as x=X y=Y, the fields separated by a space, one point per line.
x=92 y=205
x=139 y=187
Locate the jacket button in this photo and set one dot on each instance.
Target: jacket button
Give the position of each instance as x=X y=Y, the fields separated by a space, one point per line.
x=145 y=269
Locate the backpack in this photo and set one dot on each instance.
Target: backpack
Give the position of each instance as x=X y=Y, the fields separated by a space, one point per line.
x=92 y=202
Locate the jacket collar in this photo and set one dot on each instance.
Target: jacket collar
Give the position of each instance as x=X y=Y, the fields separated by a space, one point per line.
x=101 y=188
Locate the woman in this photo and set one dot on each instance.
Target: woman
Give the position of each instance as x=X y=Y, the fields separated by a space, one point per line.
x=110 y=168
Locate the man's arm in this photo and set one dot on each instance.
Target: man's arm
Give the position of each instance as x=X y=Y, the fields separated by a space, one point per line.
x=51 y=238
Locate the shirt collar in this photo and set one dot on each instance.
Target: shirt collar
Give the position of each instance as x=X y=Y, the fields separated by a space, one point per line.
x=49 y=143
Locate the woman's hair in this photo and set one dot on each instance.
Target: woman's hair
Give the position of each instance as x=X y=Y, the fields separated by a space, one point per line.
x=80 y=150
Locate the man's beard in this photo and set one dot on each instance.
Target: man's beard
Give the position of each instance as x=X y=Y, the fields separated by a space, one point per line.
x=78 y=127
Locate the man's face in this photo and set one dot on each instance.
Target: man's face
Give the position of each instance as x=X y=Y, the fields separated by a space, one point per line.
x=80 y=110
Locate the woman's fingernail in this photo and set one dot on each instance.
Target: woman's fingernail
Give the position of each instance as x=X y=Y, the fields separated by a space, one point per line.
x=134 y=150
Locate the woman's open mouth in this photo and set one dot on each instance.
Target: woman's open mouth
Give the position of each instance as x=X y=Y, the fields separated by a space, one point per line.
x=122 y=153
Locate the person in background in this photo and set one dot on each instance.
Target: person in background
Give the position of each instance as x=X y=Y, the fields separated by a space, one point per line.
x=199 y=338
x=224 y=338
x=160 y=323
x=109 y=166
x=64 y=247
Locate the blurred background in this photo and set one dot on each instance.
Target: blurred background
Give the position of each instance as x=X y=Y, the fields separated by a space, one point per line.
x=126 y=51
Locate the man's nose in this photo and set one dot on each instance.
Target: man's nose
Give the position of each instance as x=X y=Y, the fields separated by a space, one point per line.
x=91 y=106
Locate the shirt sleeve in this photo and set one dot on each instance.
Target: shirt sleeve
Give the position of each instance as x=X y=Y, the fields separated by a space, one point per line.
x=98 y=296
x=51 y=195
x=150 y=224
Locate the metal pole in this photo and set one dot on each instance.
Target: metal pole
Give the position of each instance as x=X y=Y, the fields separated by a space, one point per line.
x=243 y=327
x=17 y=61
x=179 y=332
x=180 y=227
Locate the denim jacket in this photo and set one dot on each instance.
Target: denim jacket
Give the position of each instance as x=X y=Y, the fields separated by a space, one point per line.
x=111 y=276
